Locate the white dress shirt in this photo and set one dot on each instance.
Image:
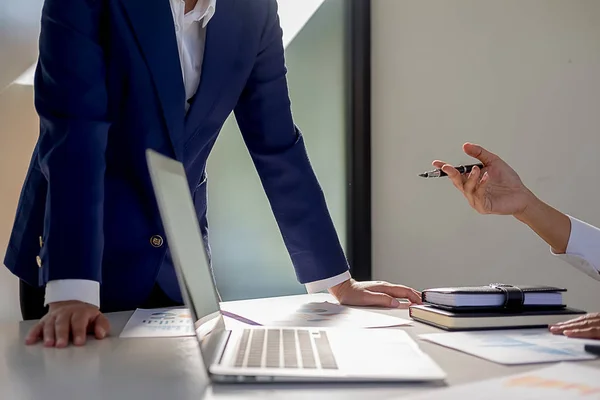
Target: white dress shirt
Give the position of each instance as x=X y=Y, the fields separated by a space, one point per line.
x=190 y=31
x=583 y=249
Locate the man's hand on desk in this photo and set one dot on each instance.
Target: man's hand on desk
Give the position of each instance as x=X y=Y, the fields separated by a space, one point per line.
x=373 y=293
x=69 y=319
x=586 y=327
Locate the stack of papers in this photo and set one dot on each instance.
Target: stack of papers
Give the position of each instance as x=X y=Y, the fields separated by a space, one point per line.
x=291 y=311
x=304 y=311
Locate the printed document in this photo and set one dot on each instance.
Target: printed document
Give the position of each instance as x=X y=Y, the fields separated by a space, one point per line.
x=317 y=310
x=512 y=347
x=293 y=311
x=159 y=322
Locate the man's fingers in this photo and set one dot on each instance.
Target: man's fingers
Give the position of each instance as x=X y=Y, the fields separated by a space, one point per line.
x=48 y=332
x=66 y=320
x=470 y=186
x=585 y=333
x=562 y=328
x=418 y=297
x=455 y=176
x=585 y=323
x=450 y=170
x=484 y=180
x=62 y=327
x=377 y=299
x=472 y=181
x=101 y=326
x=398 y=292
x=478 y=152
x=438 y=164
x=582 y=318
x=79 y=324
x=34 y=333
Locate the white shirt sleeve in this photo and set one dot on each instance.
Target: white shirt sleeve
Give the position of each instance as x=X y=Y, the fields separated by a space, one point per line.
x=583 y=249
x=73 y=289
x=324 y=284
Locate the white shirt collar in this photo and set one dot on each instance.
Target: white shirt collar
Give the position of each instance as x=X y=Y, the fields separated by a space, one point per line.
x=203 y=11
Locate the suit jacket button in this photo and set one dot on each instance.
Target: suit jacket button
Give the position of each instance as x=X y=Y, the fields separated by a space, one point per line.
x=41 y=242
x=39 y=261
x=156 y=241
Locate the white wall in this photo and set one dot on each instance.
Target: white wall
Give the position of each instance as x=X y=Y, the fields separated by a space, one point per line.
x=521 y=77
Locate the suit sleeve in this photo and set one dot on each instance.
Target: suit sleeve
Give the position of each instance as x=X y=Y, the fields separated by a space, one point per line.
x=71 y=100
x=277 y=149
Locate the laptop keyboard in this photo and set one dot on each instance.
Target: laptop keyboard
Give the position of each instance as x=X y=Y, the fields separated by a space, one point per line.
x=285 y=348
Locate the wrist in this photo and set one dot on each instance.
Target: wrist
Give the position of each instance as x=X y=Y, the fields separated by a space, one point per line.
x=58 y=304
x=338 y=290
x=532 y=208
x=548 y=223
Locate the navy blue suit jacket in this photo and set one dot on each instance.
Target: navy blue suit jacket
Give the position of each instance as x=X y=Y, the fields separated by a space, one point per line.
x=107 y=87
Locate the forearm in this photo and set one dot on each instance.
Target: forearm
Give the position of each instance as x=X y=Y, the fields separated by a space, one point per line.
x=74 y=168
x=72 y=103
x=550 y=224
x=277 y=149
x=301 y=211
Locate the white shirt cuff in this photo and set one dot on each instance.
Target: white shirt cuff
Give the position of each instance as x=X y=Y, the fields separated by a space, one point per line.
x=324 y=284
x=73 y=289
x=583 y=249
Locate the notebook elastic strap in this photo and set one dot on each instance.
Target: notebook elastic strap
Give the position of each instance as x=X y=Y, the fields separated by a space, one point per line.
x=513 y=296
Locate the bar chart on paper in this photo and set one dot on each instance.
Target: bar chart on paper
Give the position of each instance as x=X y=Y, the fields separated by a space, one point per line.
x=159 y=323
x=526 y=346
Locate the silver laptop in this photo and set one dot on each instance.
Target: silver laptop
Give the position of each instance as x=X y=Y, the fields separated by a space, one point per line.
x=263 y=354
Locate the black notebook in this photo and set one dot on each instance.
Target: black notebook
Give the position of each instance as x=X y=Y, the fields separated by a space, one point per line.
x=475 y=320
x=495 y=297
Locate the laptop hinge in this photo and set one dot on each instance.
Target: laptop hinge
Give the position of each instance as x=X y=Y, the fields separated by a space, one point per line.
x=222 y=345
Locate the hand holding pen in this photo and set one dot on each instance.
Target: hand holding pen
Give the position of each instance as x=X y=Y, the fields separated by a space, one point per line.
x=461 y=169
x=491 y=187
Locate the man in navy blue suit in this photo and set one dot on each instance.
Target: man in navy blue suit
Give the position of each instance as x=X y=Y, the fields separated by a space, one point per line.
x=116 y=77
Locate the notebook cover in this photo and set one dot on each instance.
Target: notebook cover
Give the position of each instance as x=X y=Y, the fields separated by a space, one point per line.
x=492 y=290
x=488 y=289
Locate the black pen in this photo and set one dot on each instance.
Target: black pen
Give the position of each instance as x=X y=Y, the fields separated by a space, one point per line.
x=592 y=349
x=463 y=169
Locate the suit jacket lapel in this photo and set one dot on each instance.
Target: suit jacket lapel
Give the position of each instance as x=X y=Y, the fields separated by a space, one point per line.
x=154 y=28
x=220 y=52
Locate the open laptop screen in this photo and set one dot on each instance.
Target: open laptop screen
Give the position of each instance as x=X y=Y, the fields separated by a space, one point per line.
x=183 y=234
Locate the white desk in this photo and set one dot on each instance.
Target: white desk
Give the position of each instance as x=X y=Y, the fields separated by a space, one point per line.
x=170 y=369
